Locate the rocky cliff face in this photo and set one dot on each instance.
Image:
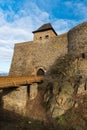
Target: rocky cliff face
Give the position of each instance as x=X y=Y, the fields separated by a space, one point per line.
x=64 y=87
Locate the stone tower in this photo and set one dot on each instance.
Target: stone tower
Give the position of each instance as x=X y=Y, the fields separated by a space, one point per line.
x=77 y=46
x=44 y=33
x=37 y=56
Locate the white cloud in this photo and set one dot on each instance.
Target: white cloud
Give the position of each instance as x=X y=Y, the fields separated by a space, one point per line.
x=63 y=25
x=79 y=8
x=18 y=30
x=6 y=54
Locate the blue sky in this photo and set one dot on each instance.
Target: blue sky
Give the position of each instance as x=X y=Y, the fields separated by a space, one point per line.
x=18 y=18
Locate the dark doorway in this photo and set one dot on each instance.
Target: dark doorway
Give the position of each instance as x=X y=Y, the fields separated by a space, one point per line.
x=40 y=72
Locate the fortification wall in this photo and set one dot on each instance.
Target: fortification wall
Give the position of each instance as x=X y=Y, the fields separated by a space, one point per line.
x=77 y=46
x=29 y=57
x=82 y=67
x=77 y=39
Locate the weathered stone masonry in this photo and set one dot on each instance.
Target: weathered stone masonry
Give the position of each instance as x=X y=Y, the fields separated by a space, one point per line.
x=77 y=46
x=40 y=54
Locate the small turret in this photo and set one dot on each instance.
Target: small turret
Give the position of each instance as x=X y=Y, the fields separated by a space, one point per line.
x=44 y=33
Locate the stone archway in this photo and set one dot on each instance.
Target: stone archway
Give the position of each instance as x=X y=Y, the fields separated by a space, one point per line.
x=40 y=72
x=34 y=87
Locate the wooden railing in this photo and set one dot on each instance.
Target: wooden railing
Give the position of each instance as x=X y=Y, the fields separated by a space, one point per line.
x=6 y=81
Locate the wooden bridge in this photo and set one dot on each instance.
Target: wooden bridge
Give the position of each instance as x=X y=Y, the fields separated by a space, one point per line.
x=6 y=81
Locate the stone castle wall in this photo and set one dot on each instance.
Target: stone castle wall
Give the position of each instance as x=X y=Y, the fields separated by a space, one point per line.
x=42 y=53
x=77 y=39
x=29 y=57
x=77 y=46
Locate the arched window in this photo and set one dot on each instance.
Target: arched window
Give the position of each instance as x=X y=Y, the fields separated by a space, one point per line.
x=40 y=72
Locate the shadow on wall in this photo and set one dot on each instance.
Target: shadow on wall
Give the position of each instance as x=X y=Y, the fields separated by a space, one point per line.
x=1 y=102
x=4 y=92
x=13 y=121
x=9 y=120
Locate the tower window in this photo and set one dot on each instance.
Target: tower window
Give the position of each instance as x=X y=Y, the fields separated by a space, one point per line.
x=40 y=38
x=83 y=55
x=47 y=36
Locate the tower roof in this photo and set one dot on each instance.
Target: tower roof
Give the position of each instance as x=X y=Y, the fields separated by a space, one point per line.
x=45 y=27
